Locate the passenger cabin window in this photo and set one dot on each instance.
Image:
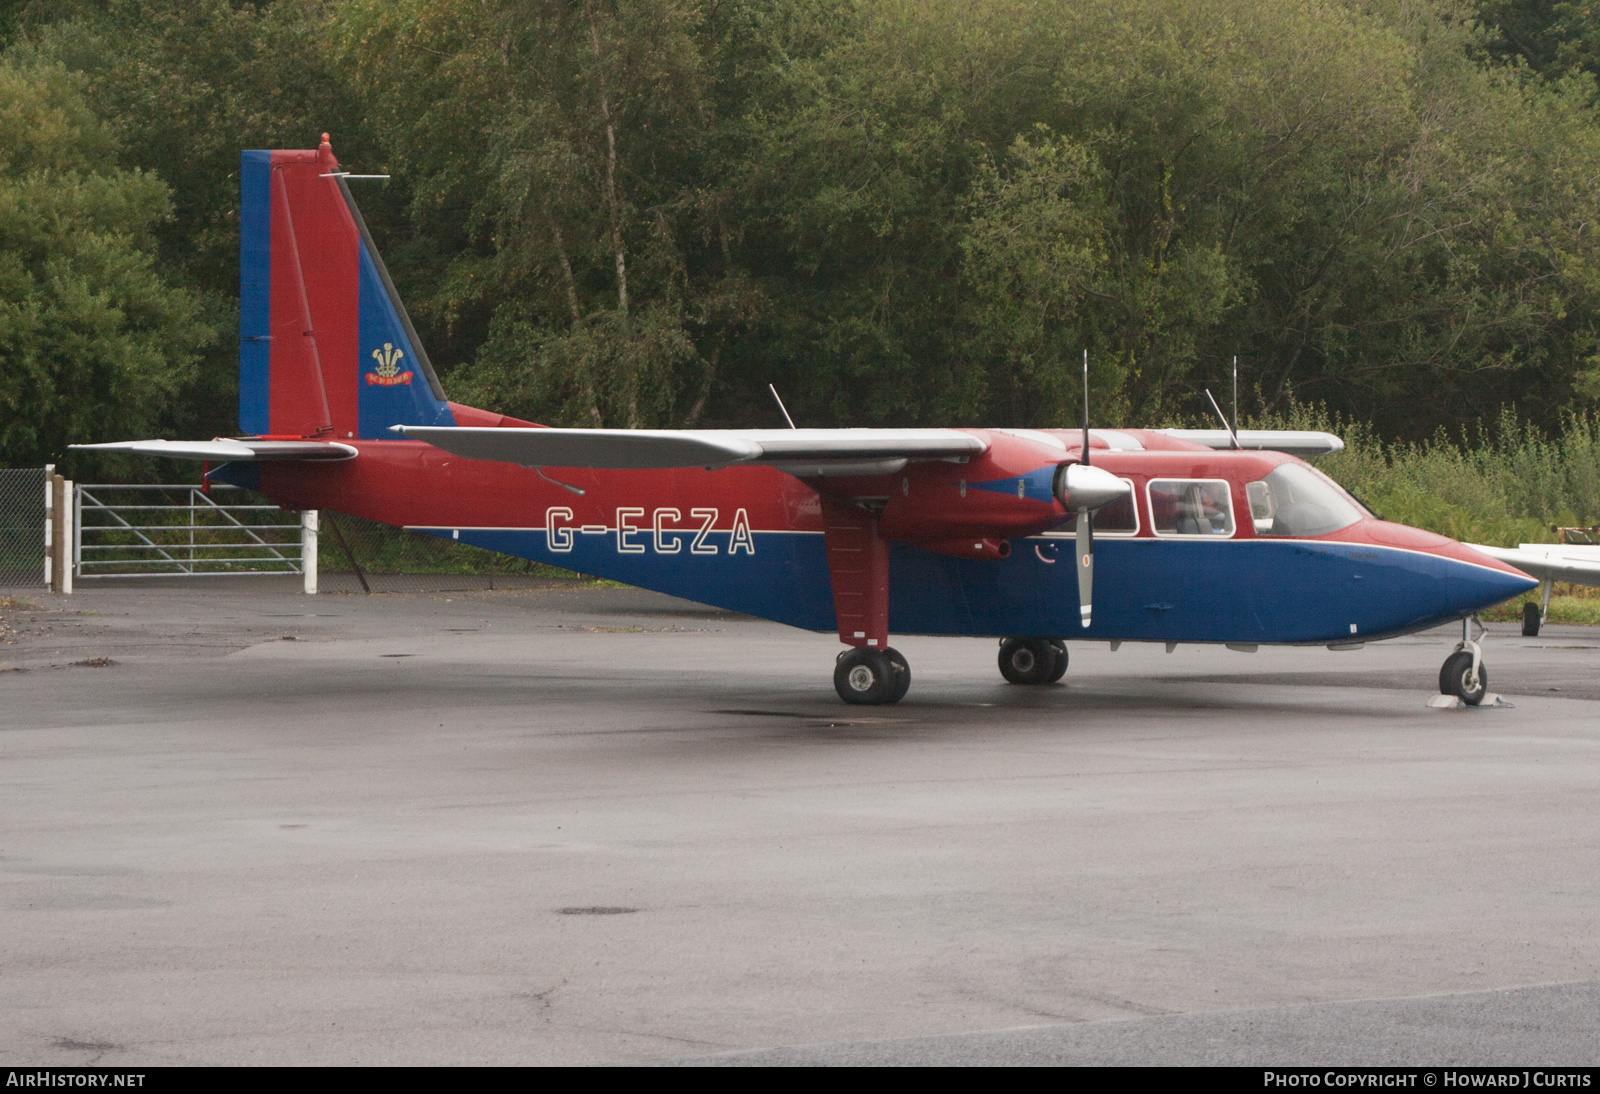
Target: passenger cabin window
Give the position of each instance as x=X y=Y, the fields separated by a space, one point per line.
x=1191 y=507
x=1297 y=501
x=1120 y=518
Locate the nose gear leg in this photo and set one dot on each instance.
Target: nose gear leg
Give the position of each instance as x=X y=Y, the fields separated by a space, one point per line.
x=1473 y=645
x=1464 y=675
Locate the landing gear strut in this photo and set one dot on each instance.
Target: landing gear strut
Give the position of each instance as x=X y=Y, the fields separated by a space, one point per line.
x=869 y=673
x=1033 y=660
x=865 y=676
x=1463 y=674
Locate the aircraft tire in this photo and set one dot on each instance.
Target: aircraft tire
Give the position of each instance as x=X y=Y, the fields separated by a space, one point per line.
x=865 y=677
x=1453 y=678
x=1061 y=660
x=1027 y=661
x=1530 y=620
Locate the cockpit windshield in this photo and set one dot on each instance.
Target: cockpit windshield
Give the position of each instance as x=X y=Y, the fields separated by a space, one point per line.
x=1296 y=501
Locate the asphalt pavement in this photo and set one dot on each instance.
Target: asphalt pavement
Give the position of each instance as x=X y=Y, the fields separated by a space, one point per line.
x=572 y=824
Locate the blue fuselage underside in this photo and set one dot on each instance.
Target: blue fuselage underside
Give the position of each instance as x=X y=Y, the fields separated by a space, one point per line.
x=1241 y=591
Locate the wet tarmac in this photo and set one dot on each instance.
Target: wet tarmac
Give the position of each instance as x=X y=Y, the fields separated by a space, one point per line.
x=588 y=825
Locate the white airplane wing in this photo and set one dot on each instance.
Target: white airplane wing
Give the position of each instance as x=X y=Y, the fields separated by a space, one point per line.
x=226 y=449
x=1296 y=442
x=1550 y=561
x=804 y=452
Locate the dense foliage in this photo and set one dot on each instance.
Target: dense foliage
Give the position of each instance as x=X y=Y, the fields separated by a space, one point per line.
x=92 y=337
x=639 y=212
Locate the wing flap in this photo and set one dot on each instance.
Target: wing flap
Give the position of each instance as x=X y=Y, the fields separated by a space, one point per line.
x=641 y=449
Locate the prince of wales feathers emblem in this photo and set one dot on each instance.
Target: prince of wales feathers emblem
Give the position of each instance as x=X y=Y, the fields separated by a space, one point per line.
x=388 y=373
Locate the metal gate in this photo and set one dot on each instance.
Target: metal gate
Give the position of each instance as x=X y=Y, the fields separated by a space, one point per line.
x=168 y=531
x=22 y=520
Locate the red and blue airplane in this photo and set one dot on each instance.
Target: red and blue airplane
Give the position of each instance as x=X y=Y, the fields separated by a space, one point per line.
x=1033 y=536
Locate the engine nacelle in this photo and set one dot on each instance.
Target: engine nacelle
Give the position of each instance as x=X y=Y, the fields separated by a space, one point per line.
x=1085 y=488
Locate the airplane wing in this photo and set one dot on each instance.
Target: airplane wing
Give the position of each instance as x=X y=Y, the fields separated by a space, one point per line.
x=228 y=450
x=802 y=452
x=1296 y=442
x=1550 y=561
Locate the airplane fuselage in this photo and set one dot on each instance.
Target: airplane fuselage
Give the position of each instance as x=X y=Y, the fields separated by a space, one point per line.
x=974 y=545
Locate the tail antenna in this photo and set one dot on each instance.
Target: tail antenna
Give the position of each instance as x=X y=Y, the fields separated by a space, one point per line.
x=781 y=408
x=1233 y=434
x=1236 y=395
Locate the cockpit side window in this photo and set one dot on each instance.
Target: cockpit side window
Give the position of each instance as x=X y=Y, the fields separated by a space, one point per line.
x=1297 y=501
x=1191 y=507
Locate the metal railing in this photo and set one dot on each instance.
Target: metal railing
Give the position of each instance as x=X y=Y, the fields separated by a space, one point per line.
x=169 y=531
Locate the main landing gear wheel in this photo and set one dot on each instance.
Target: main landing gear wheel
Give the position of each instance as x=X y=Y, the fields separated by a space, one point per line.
x=1530 y=619
x=1463 y=674
x=869 y=677
x=1031 y=660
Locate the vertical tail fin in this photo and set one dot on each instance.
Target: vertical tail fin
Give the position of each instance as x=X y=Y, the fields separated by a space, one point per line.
x=326 y=349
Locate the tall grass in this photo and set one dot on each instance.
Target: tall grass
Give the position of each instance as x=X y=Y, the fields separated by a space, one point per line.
x=1507 y=482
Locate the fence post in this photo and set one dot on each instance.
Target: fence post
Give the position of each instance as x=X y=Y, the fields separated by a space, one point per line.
x=49 y=525
x=308 y=549
x=58 y=535
x=69 y=560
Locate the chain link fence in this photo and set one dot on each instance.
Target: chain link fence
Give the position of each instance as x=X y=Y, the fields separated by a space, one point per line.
x=22 y=516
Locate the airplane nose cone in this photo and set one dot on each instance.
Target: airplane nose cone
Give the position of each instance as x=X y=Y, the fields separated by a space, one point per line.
x=1474 y=588
x=1463 y=581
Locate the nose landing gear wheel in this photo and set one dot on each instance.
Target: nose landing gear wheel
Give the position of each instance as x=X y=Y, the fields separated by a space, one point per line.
x=1029 y=661
x=1457 y=678
x=1463 y=674
x=868 y=677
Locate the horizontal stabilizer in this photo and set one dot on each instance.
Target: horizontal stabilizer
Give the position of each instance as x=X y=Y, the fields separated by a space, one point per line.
x=1550 y=561
x=806 y=451
x=1296 y=442
x=226 y=449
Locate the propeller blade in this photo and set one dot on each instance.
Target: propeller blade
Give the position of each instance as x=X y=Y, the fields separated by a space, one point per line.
x=1085 y=559
x=1084 y=455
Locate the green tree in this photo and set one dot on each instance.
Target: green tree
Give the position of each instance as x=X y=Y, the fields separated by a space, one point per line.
x=578 y=145
x=184 y=85
x=1555 y=38
x=1037 y=252
x=93 y=341
x=639 y=212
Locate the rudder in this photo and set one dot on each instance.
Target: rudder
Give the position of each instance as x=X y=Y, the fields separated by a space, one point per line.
x=326 y=349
